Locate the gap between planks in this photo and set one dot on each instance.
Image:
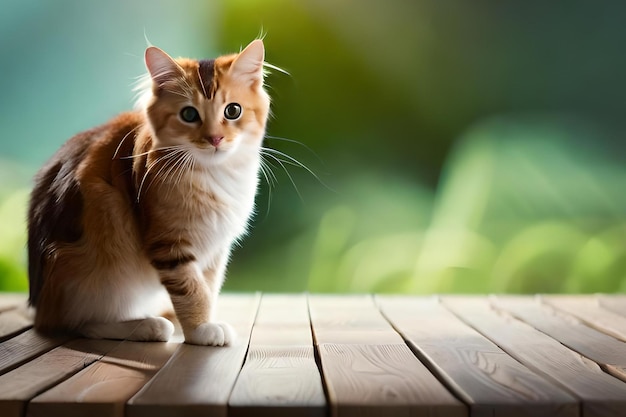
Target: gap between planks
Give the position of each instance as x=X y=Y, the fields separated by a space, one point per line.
x=15 y=315
x=97 y=379
x=20 y=385
x=198 y=380
x=605 y=350
x=352 y=338
x=471 y=365
x=367 y=367
x=280 y=376
x=523 y=336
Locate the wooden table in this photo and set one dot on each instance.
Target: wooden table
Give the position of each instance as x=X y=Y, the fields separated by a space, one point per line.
x=359 y=355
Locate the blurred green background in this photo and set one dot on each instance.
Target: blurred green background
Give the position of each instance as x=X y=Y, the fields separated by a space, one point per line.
x=458 y=146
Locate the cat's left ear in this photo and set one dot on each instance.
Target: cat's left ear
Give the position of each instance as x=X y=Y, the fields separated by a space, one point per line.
x=248 y=66
x=161 y=66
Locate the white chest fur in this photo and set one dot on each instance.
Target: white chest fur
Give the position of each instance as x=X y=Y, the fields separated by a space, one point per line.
x=217 y=207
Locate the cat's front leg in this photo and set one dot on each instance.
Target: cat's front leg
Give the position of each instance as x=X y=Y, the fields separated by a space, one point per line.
x=214 y=277
x=212 y=334
x=193 y=300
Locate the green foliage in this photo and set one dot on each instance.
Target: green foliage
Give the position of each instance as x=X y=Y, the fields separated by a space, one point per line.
x=506 y=217
x=510 y=215
x=438 y=179
x=13 y=242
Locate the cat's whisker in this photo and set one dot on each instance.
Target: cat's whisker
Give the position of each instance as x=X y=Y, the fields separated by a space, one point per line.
x=297 y=143
x=143 y=180
x=270 y=184
x=181 y=166
x=288 y=162
x=280 y=162
x=145 y=176
x=124 y=139
x=269 y=175
x=270 y=179
x=293 y=161
x=134 y=220
x=192 y=169
x=185 y=168
x=139 y=154
x=165 y=148
x=173 y=171
x=174 y=160
x=264 y=173
x=178 y=171
x=170 y=172
x=166 y=160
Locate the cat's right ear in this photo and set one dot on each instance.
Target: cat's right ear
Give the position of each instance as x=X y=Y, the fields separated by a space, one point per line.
x=161 y=66
x=248 y=66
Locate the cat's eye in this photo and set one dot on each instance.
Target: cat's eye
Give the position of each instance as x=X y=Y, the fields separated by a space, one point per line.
x=232 y=111
x=189 y=114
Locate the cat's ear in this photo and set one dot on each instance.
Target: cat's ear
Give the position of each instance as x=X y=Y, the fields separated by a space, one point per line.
x=161 y=66
x=248 y=66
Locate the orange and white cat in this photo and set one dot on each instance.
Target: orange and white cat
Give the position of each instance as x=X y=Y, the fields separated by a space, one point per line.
x=137 y=216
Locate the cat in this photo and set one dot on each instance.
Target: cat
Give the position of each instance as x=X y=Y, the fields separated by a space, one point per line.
x=137 y=217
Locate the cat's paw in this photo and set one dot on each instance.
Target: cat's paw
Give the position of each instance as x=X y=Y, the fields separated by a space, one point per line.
x=212 y=334
x=153 y=329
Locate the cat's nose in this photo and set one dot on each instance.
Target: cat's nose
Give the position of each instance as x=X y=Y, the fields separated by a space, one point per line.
x=215 y=140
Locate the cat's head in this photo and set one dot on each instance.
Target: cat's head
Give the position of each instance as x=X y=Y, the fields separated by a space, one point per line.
x=217 y=108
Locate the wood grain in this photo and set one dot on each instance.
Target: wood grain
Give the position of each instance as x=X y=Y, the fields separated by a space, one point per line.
x=15 y=317
x=198 y=380
x=607 y=351
x=479 y=372
x=503 y=356
x=280 y=376
x=382 y=380
x=13 y=322
x=600 y=393
x=103 y=388
x=20 y=385
x=24 y=347
x=350 y=319
x=588 y=310
x=370 y=376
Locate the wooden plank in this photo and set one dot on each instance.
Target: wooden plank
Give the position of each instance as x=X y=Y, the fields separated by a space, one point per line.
x=21 y=384
x=369 y=370
x=607 y=351
x=601 y=394
x=13 y=322
x=484 y=376
x=588 y=310
x=198 y=380
x=350 y=319
x=103 y=388
x=11 y=300
x=280 y=376
x=615 y=303
x=25 y=346
x=382 y=380
x=15 y=317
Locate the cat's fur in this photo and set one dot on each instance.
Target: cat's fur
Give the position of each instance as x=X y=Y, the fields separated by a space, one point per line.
x=138 y=215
